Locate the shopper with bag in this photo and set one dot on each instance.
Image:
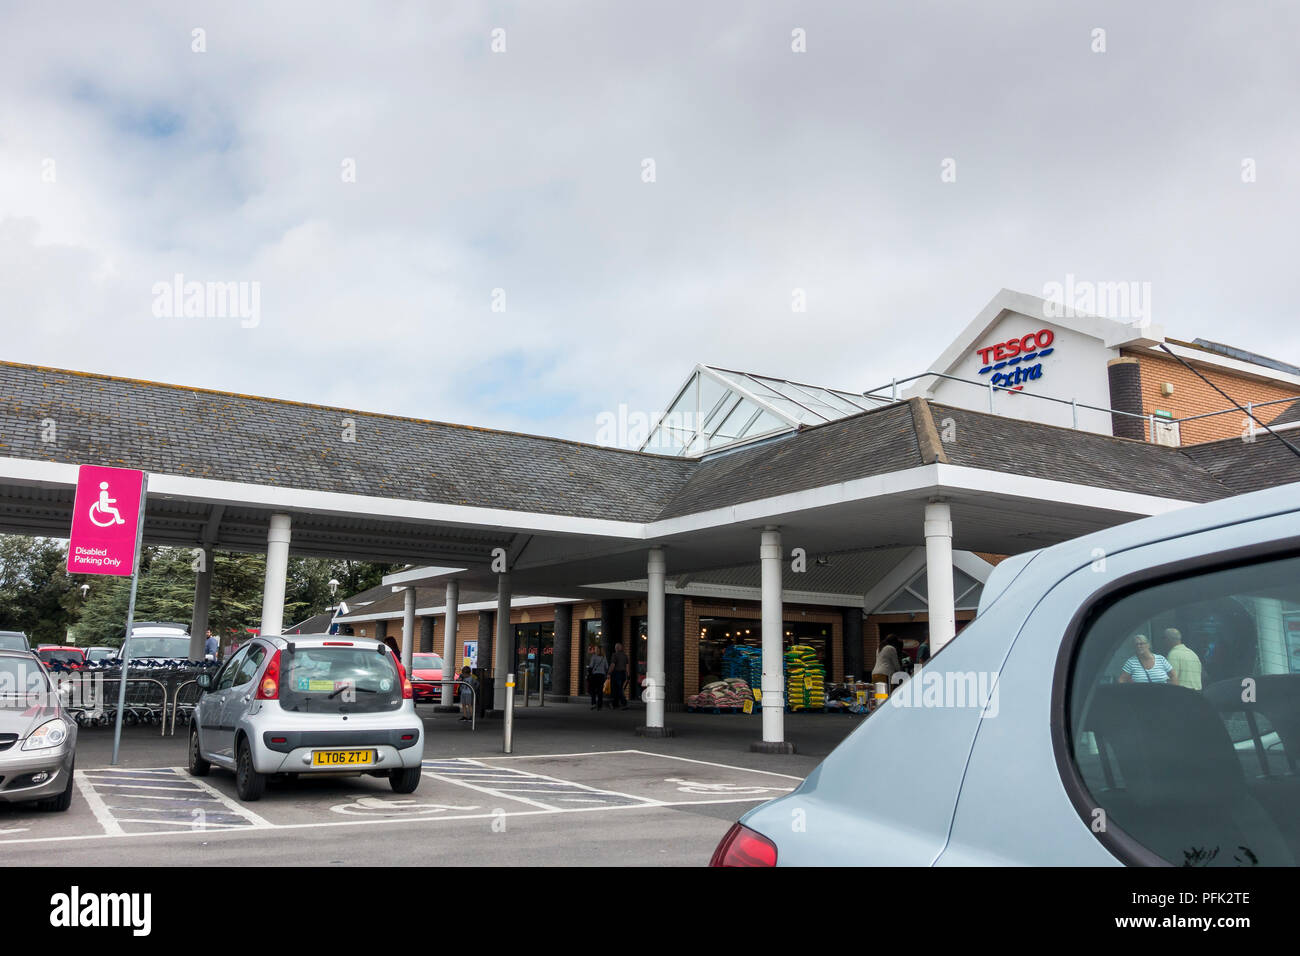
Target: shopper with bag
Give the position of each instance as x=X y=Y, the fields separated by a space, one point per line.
x=597 y=676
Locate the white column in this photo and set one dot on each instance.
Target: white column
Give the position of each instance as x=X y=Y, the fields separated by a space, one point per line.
x=938 y=574
x=773 y=661
x=277 y=570
x=503 y=656
x=408 y=628
x=656 y=572
x=450 y=666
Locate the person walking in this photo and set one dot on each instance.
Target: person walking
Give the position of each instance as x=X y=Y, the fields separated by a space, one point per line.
x=597 y=671
x=1186 y=665
x=210 y=646
x=618 y=677
x=1145 y=667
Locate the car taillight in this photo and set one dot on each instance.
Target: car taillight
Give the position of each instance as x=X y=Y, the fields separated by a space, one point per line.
x=269 y=689
x=408 y=692
x=743 y=847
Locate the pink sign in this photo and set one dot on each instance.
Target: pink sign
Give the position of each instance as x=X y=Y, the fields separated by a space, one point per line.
x=104 y=521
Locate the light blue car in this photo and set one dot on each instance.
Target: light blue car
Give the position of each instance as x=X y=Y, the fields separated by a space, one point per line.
x=1129 y=697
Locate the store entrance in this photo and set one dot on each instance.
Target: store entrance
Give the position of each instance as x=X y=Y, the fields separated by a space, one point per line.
x=534 y=653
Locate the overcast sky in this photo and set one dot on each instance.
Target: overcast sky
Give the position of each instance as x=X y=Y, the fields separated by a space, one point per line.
x=523 y=171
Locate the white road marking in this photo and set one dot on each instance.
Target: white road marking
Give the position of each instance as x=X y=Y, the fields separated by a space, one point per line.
x=113 y=831
x=238 y=808
x=392 y=821
x=16 y=830
x=97 y=806
x=710 y=763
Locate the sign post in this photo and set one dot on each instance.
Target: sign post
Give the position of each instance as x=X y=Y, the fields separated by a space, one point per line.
x=107 y=527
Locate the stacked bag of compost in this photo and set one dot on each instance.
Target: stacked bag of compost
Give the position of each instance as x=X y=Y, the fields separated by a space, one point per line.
x=729 y=693
x=805 y=679
x=745 y=663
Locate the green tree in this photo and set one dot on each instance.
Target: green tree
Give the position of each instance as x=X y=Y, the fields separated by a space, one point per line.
x=37 y=595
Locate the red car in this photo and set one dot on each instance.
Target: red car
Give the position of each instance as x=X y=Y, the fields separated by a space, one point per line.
x=426 y=670
x=72 y=658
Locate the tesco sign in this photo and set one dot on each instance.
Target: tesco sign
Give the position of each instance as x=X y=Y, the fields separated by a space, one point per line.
x=1009 y=362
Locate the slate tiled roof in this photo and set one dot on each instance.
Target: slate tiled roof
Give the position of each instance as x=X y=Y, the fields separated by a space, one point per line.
x=1245 y=466
x=1289 y=416
x=998 y=443
x=871 y=443
x=183 y=431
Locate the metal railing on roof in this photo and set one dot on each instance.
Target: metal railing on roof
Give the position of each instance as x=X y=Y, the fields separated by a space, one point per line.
x=1150 y=418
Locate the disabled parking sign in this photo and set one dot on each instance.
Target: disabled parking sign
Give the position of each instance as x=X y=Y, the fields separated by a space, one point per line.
x=104 y=521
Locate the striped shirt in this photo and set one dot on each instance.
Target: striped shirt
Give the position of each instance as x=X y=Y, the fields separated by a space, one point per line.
x=1157 y=673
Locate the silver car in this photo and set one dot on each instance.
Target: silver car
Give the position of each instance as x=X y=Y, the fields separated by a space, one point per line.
x=305 y=705
x=38 y=740
x=1129 y=697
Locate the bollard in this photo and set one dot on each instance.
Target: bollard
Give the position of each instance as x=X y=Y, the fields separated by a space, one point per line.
x=541 y=688
x=525 y=688
x=508 y=725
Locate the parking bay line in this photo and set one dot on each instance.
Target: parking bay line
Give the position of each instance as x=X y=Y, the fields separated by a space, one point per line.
x=390 y=820
x=544 y=785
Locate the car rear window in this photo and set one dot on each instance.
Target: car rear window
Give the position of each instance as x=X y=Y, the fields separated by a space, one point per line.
x=13 y=642
x=1184 y=716
x=62 y=657
x=342 y=680
x=178 y=647
x=427 y=662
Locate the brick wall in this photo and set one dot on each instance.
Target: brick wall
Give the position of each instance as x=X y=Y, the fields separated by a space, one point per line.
x=1193 y=397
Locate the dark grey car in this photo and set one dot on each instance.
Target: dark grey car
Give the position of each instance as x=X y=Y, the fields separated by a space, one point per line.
x=38 y=740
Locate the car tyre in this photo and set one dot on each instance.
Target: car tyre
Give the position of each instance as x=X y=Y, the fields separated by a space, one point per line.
x=404 y=780
x=249 y=784
x=198 y=767
x=63 y=801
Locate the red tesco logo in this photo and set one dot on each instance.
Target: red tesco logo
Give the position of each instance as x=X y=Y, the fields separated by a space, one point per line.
x=1034 y=341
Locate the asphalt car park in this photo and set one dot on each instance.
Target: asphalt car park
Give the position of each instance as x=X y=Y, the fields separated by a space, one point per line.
x=576 y=790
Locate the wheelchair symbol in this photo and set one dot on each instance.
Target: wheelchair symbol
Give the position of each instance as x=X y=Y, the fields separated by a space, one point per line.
x=692 y=786
x=105 y=508
x=368 y=806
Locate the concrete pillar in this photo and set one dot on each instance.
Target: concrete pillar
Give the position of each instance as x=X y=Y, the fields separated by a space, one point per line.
x=675 y=651
x=451 y=666
x=503 y=656
x=938 y=574
x=561 y=645
x=408 y=628
x=656 y=572
x=202 y=604
x=773 y=661
x=611 y=625
x=277 y=571
x=852 y=631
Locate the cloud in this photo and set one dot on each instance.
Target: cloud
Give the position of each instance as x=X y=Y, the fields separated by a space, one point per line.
x=522 y=171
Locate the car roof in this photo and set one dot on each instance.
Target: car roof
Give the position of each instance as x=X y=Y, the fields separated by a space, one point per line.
x=1059 y=560
x=319 y=640
x=13 y=633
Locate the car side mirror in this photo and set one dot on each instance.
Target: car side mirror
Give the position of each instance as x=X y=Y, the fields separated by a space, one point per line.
x=204 y=681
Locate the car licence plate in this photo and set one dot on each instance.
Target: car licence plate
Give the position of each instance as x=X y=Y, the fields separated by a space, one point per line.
x=341 y=758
